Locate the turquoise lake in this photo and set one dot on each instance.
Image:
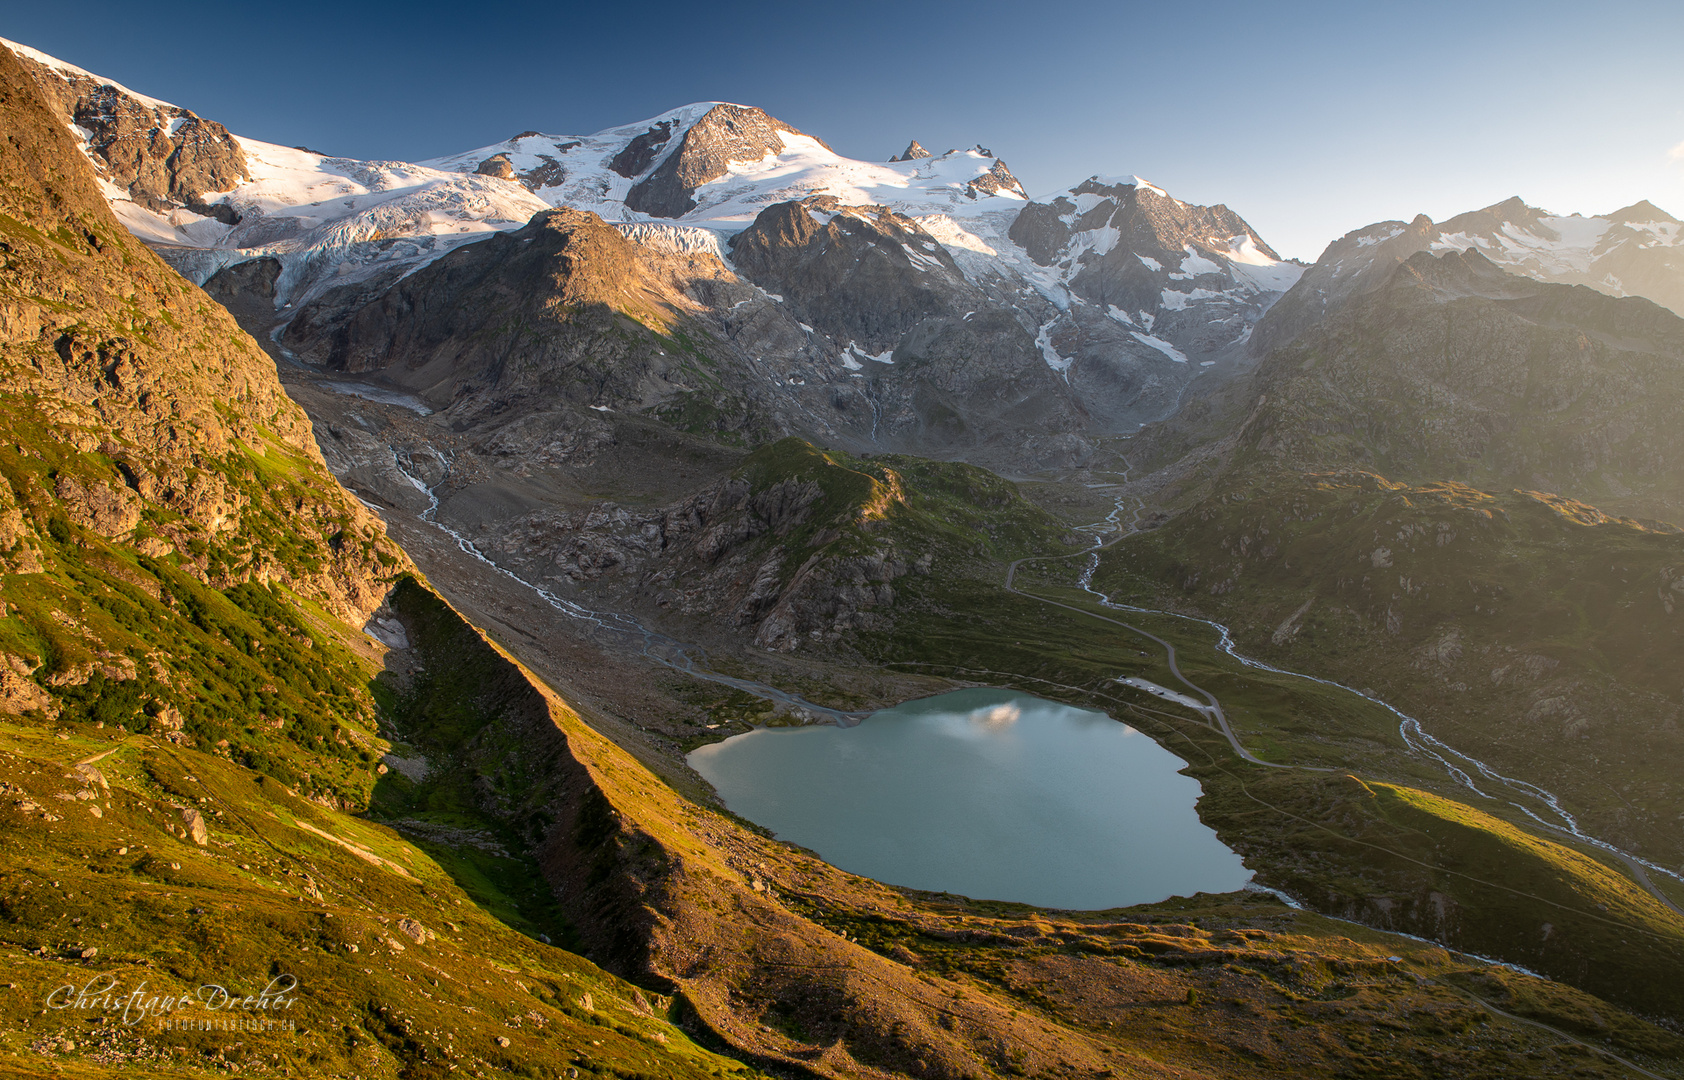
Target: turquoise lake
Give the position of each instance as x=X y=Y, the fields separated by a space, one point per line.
x=992 y=794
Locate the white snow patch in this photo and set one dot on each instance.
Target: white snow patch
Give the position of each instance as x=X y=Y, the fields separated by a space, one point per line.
x=1161 y=345
x=1193 y=263
x=1369 y=241
x=1177 y=301
x=1044 y=341
x=1087 y=200
x=950 y=234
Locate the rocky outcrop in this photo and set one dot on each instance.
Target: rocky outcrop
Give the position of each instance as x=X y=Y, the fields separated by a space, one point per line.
x=497 y=165
x=997 y=179
x=725 y=553
x=639 y=154
x=859 y=273
x=912 y=152
x=141 y=413
x=163 y=156
x=726 y=133
x=949 y=369
x=1159 y=290
x=1125 y=244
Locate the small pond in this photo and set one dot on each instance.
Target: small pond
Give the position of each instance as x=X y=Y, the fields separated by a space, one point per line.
x=992 y=794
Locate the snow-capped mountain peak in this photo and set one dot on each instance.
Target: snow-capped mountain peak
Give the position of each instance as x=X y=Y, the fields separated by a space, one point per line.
x=1124 y=291
x=717 y=165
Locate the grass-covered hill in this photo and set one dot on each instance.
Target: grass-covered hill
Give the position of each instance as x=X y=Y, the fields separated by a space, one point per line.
x=1524 y=628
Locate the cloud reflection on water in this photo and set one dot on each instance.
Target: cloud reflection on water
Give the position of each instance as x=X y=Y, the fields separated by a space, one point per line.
x=996 y=717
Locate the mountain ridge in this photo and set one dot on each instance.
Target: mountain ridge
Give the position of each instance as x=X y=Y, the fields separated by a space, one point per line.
x=332 y=224
x=1637 y=250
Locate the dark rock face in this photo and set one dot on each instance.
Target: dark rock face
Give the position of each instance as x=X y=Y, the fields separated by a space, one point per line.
x=995 y=180
x=860 y=273
x=1357 y=263
x=640 y=153
x=721 y=553
x=247 y=289
x=548 y=173
x=912 y=152
x=725 y=134
x=163 y=156
x=1042 y=229
x=966 y=373
x=963 y=383
x=1456 y=369
x=1148 y=225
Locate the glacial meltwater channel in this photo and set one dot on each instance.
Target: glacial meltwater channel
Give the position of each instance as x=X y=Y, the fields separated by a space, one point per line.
x=992 y=794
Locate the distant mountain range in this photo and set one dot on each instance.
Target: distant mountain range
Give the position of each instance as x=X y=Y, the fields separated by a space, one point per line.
x=1104 y=300
x=1635 y=251
x=1012 y=331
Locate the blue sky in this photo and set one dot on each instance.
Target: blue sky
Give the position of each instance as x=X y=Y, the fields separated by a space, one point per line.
x=1309 y=119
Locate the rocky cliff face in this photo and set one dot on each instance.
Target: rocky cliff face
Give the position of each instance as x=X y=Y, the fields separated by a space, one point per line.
x=1132 y=247
x=864 y=275
x=163 y=156
x=725 y=134
x=947 y=369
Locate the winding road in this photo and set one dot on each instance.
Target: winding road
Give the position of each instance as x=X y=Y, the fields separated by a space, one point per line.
x=1111 y=530
x=1216 y=712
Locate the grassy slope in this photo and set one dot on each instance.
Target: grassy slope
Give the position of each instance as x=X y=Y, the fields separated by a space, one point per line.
x=963 y=515
x=1394 y=853
x=1528 y=630
x=804 y=967
x=284 y=887
x=182 y=583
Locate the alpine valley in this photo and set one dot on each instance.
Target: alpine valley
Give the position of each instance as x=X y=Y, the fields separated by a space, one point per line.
x=378 y=538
